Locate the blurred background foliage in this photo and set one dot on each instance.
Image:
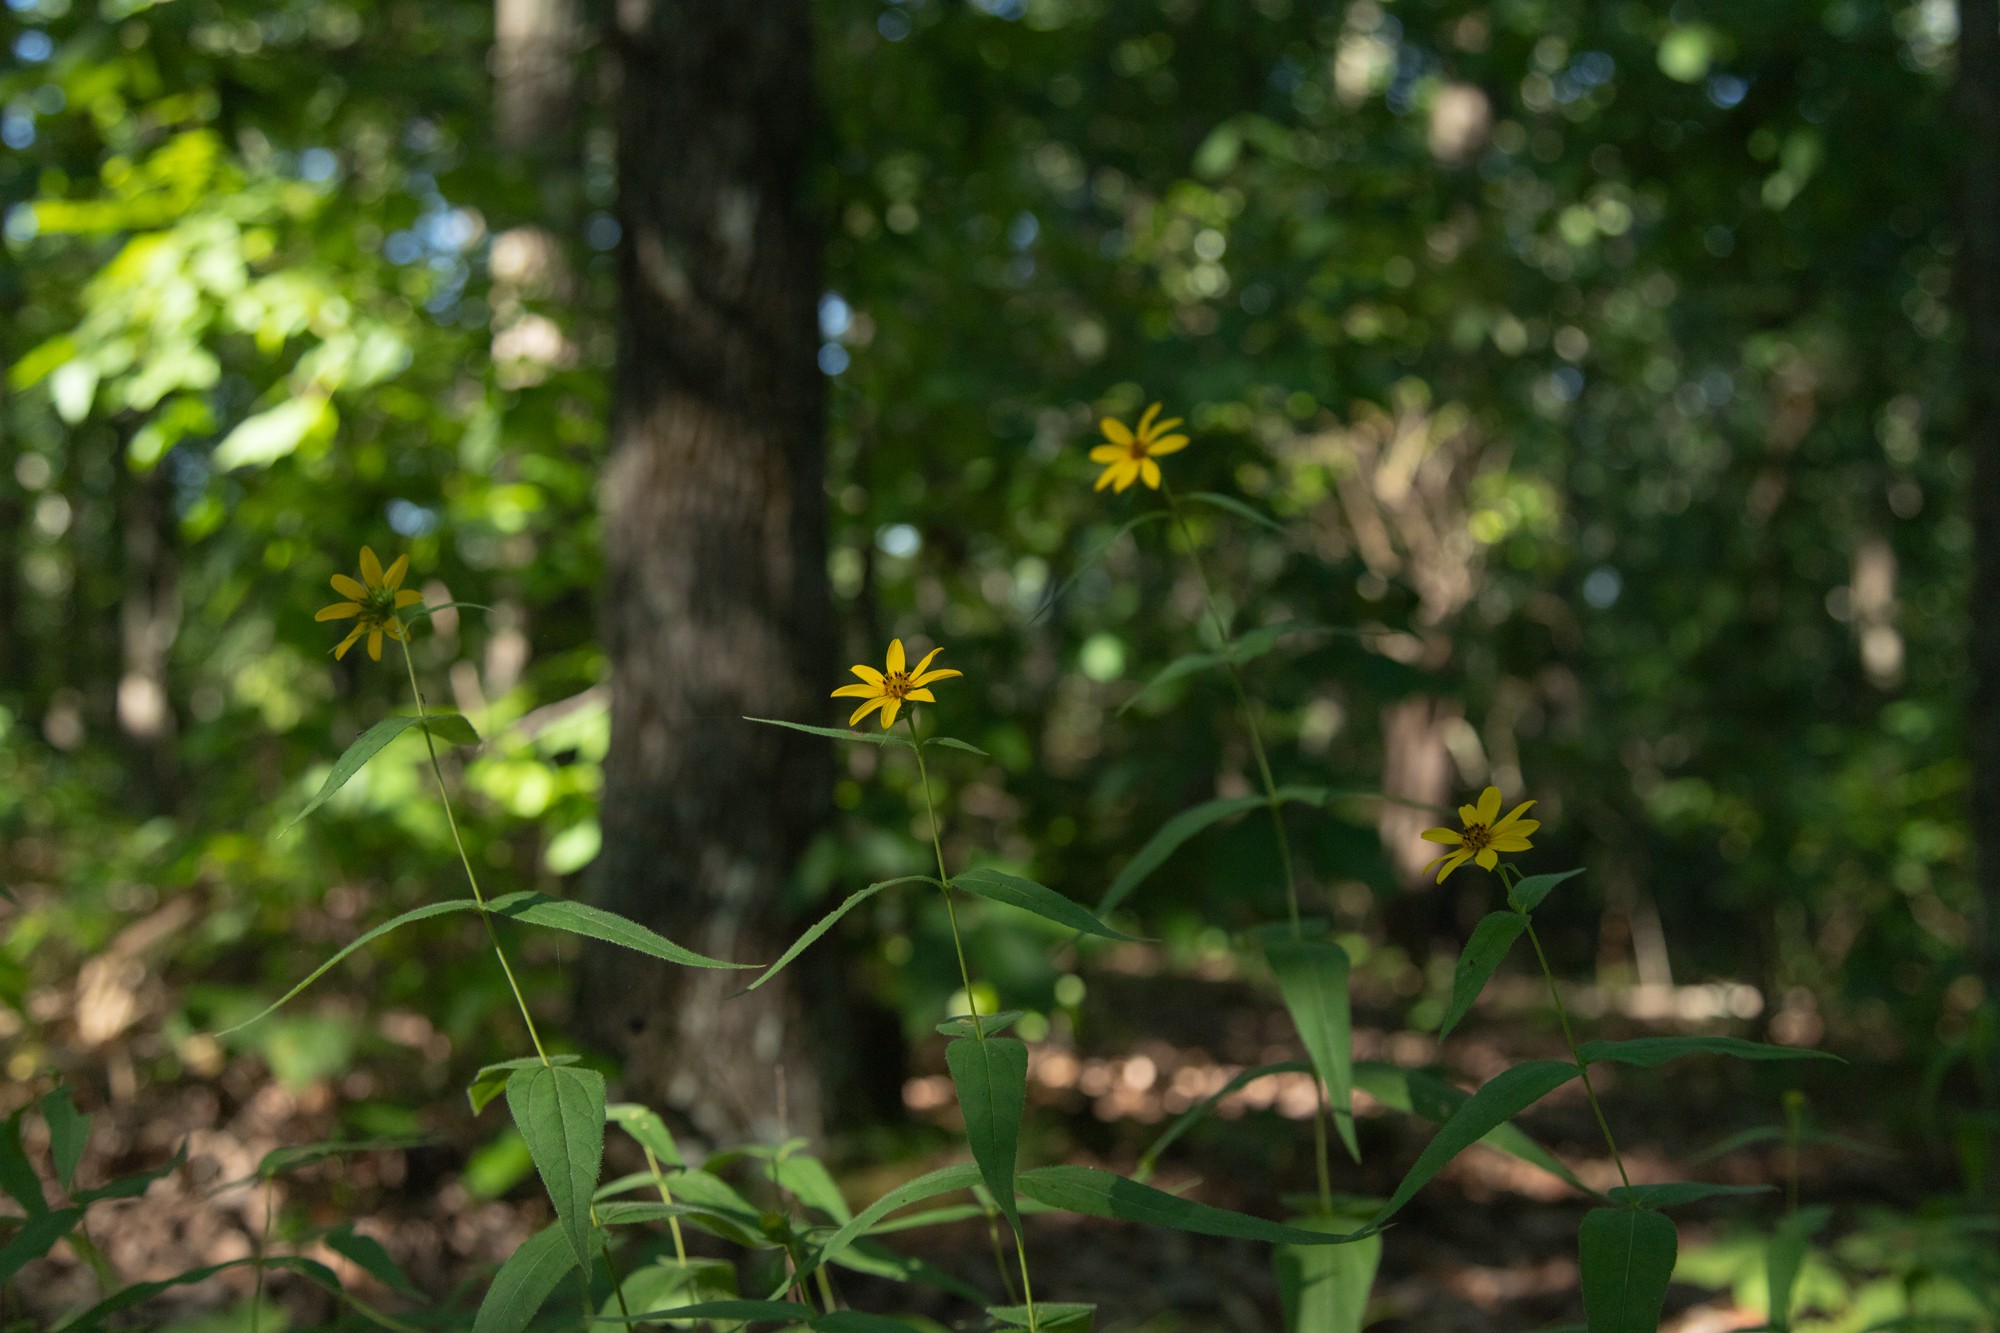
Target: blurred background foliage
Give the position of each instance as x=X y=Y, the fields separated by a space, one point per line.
x=1596 y=358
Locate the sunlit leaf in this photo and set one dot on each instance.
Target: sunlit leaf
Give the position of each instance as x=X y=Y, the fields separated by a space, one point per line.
x=449 y=727
x=559 y=1110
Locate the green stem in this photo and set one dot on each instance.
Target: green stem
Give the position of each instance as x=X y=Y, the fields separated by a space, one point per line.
x=617 y=1279
x=458 y=841
x=964 y=972
x=667 y=1198
x=1569 y=1038
x=825 y=1289
x=263 y=1248
x=1321 y=1164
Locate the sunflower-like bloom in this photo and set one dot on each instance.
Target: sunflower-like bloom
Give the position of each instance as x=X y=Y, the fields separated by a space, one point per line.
x=372 y=603
x=1485 y=836
x=893 y=686
x=1129 y=455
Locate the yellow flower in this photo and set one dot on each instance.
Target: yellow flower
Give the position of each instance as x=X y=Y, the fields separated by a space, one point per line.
x=374 y=600
x=1129 y=457
x=890 y=688
x=1486 y=835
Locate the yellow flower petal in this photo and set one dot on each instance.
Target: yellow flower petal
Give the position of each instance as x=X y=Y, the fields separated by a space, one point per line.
x=1517 y=830
x=371 y=568
x=1146 y=421
x=408 y=597
x=1487 y=859
x=338 y=611
x=942 y=673
x=1173 y=444
x=896 y=659
x=1151 y=472
x=1450 y=837
x=393 y=577
x=1468 y=814
x=867 y=673
x=375 y=644
x=1508 y=842
x=1115 y=431
x=1128 y=472
x=867 y=708
x=347 y=587
x=1105 y=477
x=1108 y=453
x=1453 y=862
x=348 y=642
x=889 y=707
x=1489 y=805
x=920 y=697
x=918 y=669
x=1513 y=815
x=1162 y=427
x=857 y=691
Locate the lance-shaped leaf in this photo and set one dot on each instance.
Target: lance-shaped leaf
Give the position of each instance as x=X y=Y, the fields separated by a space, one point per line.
x=1674 y=1193
x=367 y=1253
x=132 y=1186
x=1185 y=825
x=1627 y=1257
x=1231 y=504
x=560 y=1112
x=69 y=1134
x=539 y=909
x=1324 y=1288
x=452 y=728
x=525 y=1281
x=668 y=1284
x=878 y=1260
x=1785 y=1258
x=17 y=1176
x=35 y=1238
x=944 y=1180
x=1500 y=1100
x=991 y=1076
x=1094 y=1193
x=1049 y=1316
x=858 y=1321
x=1312 y=977
x=827 y=922
x=99 y=1315
x=491 y=1080
x=1649 y=1052
x=647 y=1130
x=423 y=913
x=1424 y=1093
x=1491 y=939
x=840 y=733
x=1013 y=891
x=806 y=1179
x=969 y=1025
x=1527 y=895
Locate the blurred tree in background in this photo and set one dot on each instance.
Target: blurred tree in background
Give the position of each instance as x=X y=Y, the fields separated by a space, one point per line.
x=1602 y=356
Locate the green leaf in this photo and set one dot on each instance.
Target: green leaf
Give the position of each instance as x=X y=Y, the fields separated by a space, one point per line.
x=858 y=1321
x=967 y=1025
x=991 y=1077
x=445 y=726
x=878 y=1260
x=1206 y=1106
x=827 y=922
x=669 y=1284
x=1627 y=1256
x=560 y=1113
x=1324 y=1288
x=954 y=743
x=293 y=1156
x=1421 y=1092
x=1184 y=826
x=1044 y=902
x=1312 y=976
x=944 y=1180
x=132 y=1186
x=1649 y=1052
x=1674 y=1193
x=740 y=1310
x=37 y=1236
x=270 y=435
x=1527 y=895
x=69 y=1134
x=1235 y=506
x=539 y=909
x=491 y=1080
x=1491 y=939
x=1185 y=665
x=1093 y=1193
x=17 y=1177
x=807 y=1180
x=885 y=737
x=423 y=913
x=367 y=1253
x=1786 y=1258
x=1500 y=1100
x=525 y=1281
x=647 y=1129
x=1050 y=1316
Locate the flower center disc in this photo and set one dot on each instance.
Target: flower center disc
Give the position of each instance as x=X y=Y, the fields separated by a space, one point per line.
x=1477 y=836
x=896 y=684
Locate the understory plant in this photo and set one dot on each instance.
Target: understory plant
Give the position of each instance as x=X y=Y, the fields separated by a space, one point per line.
x=618 y=1250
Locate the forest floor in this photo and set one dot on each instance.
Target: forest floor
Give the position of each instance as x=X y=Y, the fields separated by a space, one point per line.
x=1489 y=1245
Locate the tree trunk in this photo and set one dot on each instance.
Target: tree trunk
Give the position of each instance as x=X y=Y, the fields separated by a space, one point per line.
x=715 y=535
x=1979 y=278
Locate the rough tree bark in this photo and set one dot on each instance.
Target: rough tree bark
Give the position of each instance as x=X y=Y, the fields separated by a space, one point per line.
x=715 y=544
x=1979 y=281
